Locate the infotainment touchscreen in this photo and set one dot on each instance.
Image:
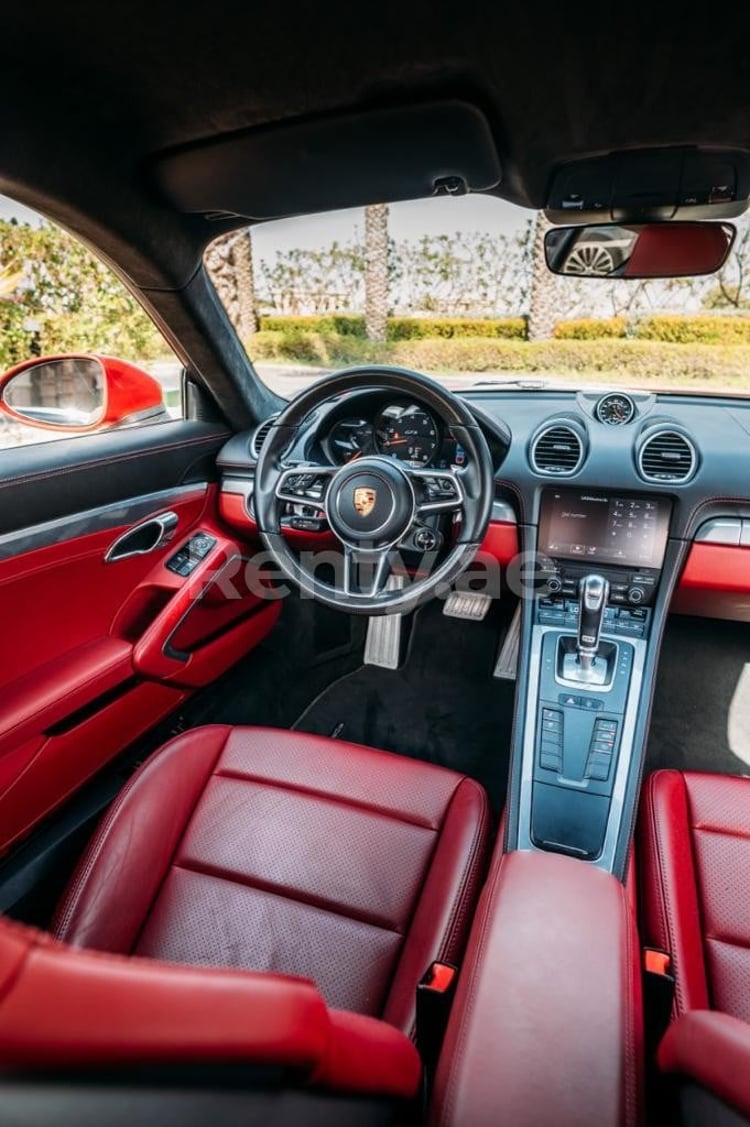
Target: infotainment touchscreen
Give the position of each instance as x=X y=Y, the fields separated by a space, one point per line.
x=598 y=527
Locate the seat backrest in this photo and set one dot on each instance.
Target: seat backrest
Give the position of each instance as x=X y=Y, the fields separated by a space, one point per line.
x=694 y=853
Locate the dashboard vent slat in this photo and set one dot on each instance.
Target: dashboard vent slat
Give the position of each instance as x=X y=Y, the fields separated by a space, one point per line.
x=667 y=455
x=558 y=450
x=261 y=434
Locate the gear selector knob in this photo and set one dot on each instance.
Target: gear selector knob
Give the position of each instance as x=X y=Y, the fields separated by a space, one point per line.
x=593 y=591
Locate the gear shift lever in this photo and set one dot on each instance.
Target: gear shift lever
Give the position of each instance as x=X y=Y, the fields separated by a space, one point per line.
x=593 y=592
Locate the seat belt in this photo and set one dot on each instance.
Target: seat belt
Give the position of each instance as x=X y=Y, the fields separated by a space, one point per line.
x=435 y=993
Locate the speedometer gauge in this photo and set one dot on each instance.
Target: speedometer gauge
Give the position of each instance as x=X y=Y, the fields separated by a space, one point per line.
x=407 y=433
x=615 y=410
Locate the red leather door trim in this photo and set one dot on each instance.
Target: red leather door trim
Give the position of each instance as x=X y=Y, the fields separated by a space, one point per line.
x=33 y=703
x=56 y=766
x=71 y=624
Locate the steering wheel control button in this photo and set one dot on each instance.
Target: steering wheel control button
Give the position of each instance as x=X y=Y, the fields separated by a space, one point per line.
x=426 y=539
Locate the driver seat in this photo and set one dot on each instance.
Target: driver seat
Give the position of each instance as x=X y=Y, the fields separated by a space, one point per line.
x=277 y=851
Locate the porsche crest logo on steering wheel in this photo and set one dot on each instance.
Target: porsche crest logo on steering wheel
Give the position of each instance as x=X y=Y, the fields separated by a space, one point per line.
x=364 y=500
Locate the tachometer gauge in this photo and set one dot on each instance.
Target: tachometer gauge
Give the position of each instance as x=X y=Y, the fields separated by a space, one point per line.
x=407 y=433
x=350 y=438
x=615 y=410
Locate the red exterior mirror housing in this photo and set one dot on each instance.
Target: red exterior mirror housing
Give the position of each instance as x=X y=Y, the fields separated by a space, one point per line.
x=80 y=393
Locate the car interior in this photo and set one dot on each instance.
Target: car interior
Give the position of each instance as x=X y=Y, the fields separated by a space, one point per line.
x=340 y=784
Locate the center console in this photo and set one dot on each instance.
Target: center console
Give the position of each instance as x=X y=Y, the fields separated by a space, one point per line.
x=591 y=627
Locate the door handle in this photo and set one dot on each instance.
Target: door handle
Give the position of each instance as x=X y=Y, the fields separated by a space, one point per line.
x=144 y=537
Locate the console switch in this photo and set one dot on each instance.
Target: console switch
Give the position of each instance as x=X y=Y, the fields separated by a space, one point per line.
x=601 y=750
x=551 y=740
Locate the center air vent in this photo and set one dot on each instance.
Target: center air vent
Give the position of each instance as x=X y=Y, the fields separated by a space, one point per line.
x=261 y=435
x=667 y=455
x=557 y=450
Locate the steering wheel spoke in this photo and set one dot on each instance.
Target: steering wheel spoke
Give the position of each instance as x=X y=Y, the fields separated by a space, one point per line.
x=437 y=491
x=366 y=572
x=305 y=485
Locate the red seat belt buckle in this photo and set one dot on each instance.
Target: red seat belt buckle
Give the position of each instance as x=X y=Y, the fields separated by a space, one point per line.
x=657 y=962
x=440 y=977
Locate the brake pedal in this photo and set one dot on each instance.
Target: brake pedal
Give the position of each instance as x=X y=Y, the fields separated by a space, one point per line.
x=383 y=644
x=506 y=665
x=472 y=605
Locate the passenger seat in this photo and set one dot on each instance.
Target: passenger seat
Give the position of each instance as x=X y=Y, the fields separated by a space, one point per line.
x=694 y=858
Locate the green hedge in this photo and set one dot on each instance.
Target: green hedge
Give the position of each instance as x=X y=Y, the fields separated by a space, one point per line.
x=669 y=329
x=589 y=328
x=613 y=360
x=400 y=328
x=695 y=330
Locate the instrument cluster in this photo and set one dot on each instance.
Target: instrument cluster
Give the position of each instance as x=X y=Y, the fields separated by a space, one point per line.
x=400 y=430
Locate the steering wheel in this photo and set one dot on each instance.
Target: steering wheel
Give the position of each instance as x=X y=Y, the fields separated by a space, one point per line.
x=374 y=503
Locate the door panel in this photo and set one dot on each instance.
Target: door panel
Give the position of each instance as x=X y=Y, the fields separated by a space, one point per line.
x=85 y=662
x=58 y=479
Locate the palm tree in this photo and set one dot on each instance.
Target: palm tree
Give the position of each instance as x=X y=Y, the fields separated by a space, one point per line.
x=229 y=262
x=376 y=271
x=543 y=312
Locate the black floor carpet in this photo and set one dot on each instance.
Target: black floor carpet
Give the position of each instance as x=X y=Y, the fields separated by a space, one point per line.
x=442 y=706
x=702 y=662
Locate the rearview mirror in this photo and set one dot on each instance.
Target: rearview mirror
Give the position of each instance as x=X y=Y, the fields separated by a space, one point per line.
x=80 y=393
x=638 y=250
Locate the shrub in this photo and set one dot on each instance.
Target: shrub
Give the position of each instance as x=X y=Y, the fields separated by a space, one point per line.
x=345 y=324
x=694 y=330
x=669 y=329
x=425 y=328
x=590 y=328
x=399 y=328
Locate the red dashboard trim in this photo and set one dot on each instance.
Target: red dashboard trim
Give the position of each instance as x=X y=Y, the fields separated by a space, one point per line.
x=717 y=567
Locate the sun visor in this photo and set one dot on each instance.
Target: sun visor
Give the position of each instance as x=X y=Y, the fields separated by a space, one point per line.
x=335 y=162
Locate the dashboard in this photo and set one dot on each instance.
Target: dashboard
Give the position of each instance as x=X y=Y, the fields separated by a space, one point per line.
x=689 y=455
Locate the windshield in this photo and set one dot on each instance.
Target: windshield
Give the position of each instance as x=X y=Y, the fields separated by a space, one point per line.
x=458 y=288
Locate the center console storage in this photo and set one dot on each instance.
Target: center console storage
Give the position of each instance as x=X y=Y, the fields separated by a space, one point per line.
x=602 y=557
x=553 y=940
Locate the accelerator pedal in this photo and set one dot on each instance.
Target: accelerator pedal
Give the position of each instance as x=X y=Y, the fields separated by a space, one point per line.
x=471 y=605
x=383 y=644
x=507 y=660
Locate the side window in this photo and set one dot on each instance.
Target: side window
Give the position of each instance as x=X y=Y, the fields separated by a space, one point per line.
x=78 y=355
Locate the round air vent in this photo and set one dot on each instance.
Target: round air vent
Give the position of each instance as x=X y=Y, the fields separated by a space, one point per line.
x=667 y=455
x=557 y=449
x=261 y=435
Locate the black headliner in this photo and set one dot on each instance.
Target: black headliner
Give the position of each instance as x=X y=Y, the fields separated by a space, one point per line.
x=92 y=90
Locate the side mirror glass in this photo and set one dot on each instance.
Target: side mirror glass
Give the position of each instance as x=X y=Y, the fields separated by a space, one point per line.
x=67 y=392
x=638 y=250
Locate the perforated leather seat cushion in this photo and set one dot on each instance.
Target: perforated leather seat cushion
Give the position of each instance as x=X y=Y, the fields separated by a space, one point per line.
x=280 y=851
x=695 y=874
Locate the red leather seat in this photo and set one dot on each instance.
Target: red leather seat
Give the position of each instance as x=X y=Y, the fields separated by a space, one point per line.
x=695 y=876
x=694 y=852
x=289 y=853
